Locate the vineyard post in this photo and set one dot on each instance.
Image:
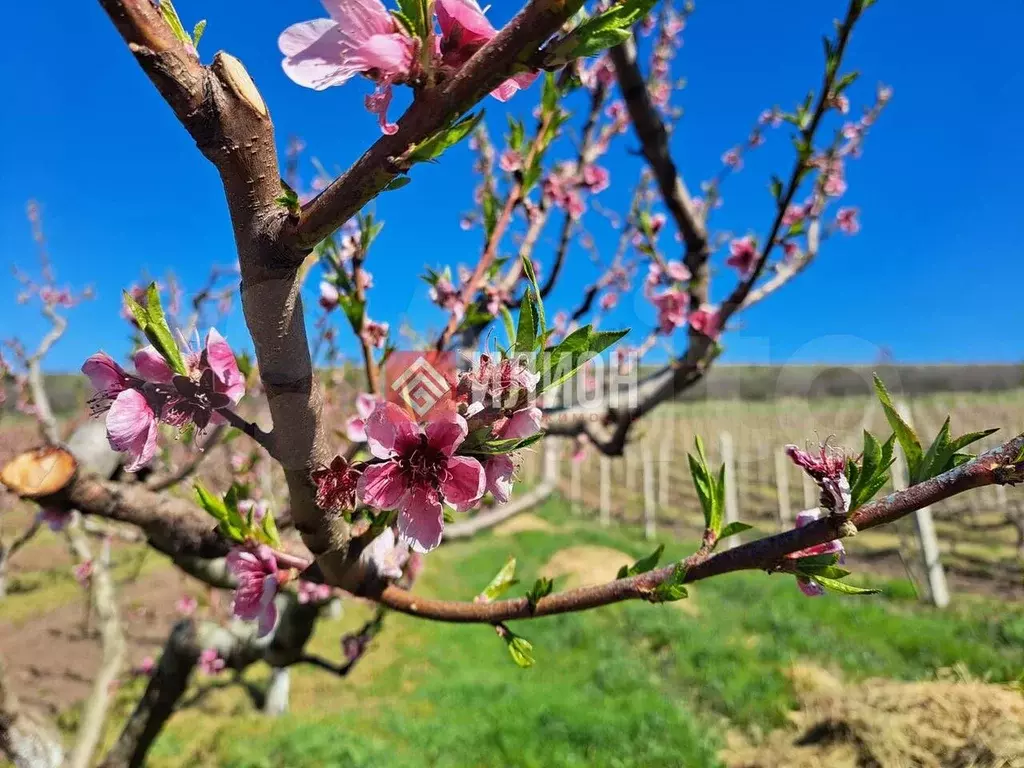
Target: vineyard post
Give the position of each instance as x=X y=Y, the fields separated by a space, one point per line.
x=665 y=464
x=925 y=526
x=782 y=489
x=649 y=500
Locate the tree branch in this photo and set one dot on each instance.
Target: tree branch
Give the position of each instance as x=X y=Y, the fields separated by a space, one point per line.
x=1000 y=466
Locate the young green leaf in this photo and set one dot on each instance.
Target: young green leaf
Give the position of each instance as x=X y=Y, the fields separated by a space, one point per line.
x=434 y=147
x=541 y=588
x=643 y=565
x=501 y=582
x=153 y=324
x=520 y=649
x=905 y=434
x=834 y=585
x=672 y=588
x=733 y=528
x=526 y=332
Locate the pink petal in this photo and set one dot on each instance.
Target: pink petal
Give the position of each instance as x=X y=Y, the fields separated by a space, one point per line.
x=365 y=404
x=523 y=423
x=499 y=471
x=382 y=485
x=355 y=430
x=465 y=482
x=508 y=89
x=447 y=432
x=421 y=521
x=361 y=17
x=267 y=620
x=316 y=54
x=391 y=54
x=225 y=367
x=151 y=365
x=463 y=22
x=104 y=373
x=386 y=426
x=132 y=428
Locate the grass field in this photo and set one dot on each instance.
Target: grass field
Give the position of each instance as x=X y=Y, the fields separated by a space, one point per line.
x=629 y=685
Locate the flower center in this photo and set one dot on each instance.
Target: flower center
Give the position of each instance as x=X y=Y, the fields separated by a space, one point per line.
x=424 y=464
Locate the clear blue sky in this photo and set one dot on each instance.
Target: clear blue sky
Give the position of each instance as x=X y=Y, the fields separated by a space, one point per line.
x=935 y=275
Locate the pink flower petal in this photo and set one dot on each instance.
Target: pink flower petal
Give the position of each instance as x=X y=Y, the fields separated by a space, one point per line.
x=421 y=521
x=151 y=365
x=315 y=54
x=465 y=482
x=382 y=485
x=365 y=404
x=499 y=470
x=463 y=23
x=224 y=365
x=391 y=54
x=447 y=432
x=104 y=373
x=387 y=425
x=523 y=423
x=132 y=428
x=508 y=89
x=355 y=430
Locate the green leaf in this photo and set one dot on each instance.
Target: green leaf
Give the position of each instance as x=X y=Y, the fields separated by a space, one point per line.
x=170 y=15
x=153 y=324
x=971 y=437
x=733 y=528
x=600 y=31
x=269 y=529
x=397 y=183
x=532 y=277
x=520 y=649
x=672 y=588
x=414 y=14
x=526 y=333
x=776 y=187
x=501 y=582
x=354 y=309
x=500 y=445
x=905 y=434
x=541 y=588
x=549 y=94
x=434 y=147
x=643 y=565
x=517 y=132
x=197 y=33
x=833 y=585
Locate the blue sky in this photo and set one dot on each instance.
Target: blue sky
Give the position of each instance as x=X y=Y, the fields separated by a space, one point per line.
x=934 y=276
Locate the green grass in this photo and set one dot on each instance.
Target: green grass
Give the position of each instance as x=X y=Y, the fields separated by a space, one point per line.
x=629 y=685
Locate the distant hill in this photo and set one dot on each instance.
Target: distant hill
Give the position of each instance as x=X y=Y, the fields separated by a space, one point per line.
x=69 y=391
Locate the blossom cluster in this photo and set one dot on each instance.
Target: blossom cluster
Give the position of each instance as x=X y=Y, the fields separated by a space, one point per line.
x=136 y=403
x=417 y=468
x=362 y=38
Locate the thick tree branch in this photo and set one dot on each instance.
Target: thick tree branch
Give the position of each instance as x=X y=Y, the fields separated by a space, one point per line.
x=1000 y=466
x=26 y=739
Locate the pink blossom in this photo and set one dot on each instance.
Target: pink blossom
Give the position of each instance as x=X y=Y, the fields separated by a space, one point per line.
x=499 y=471
x=596 y=178
x=377 y=103
x=523 y=423
x=770 y=117
x=384 y=557
x=336 y=484
x=510 y=161
x=884 y=93
x=465 y=30
x=505 y=385
x=448 y=297
x=309 y=592
x=846 y=221
x=146 y=666
x=794 y=215
x=256 y=572
x=743 y=255
x=677 y=271
x=828 y=470
x=835 y=184
x=732 y=159
x=83 y=573
x=374 y=333
x=671 y=304
x=609 y=300
x=707 y=321
x=328 y=295
x=355 y=427
x=361 y=37
x=132 y=428
x=186 y=605
x=210 y=662
x=834 y=547
x=841 y=103
x=56 y=519
x=418 y=471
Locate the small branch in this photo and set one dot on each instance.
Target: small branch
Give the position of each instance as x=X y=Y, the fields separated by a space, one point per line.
x=466 y=529
x=94 y=715
x=995 y=467
x=265 y=439
x=186 y=470
x=36 y=381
